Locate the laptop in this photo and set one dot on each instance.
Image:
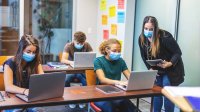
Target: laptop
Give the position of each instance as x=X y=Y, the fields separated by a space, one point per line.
x=44 y=86
x=84 y=59
x=139 y=80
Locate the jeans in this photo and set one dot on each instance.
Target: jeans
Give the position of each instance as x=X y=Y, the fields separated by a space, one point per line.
x=36 y=109
x=124 y=105
x=70 y=78
x=162 y=81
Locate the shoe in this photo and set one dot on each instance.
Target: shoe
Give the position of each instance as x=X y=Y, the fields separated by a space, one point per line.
x=82 y=105
x=72 y=106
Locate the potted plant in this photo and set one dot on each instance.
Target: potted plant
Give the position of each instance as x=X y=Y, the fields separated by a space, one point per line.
x=48 y=13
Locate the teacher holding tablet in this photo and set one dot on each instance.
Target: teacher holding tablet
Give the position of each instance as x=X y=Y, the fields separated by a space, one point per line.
x=156 y=44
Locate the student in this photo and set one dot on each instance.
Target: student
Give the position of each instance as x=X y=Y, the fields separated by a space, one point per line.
x=18 y=69
x=79 y=44
x=108 y=69
x=156 y=43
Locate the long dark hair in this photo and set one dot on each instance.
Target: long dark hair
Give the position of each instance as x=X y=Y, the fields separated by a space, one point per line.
x=31 y=67
x=155 y=44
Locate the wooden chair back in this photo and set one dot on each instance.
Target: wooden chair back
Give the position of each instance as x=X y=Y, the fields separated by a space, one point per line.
x=2 y=60
x=60 y=56
x=90 y=77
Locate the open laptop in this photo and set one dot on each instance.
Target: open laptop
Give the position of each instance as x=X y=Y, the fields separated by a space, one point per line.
x=84 y=59
x=44 y=86
x=139 y=80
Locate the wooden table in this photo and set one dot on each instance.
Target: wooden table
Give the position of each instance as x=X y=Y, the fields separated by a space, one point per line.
x=68 y=70
x=78 y=94
x=180 y=101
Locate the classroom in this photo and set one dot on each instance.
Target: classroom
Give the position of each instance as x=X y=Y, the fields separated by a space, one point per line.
x=59 y=30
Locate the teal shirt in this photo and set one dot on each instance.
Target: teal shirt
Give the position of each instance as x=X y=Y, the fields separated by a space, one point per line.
x=111 y=69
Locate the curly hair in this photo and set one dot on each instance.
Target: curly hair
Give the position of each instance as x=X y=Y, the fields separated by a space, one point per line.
x=80 y=37
x=106 y=45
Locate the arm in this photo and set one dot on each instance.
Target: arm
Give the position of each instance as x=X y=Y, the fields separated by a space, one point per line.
x=65 y=60
x=104 y=80
x=8 y=81
x=172 y=46
x=126 y=73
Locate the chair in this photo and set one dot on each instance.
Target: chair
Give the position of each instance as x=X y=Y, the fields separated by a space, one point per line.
x=91 y=80
x=2 y=60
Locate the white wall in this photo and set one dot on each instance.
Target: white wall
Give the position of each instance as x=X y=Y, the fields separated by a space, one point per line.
x=188 y=39
x=85 y=19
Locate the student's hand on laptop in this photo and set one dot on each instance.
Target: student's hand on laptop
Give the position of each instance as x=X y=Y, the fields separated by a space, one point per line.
x=72 y=63
x=123 y=83
x=26 y=92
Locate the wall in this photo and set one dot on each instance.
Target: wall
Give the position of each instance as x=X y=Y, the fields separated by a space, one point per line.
x=164 y=11
x=85 y=19
x=188 y=39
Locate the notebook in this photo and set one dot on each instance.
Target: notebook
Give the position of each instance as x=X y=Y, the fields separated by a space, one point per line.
x=84 y=59
x=57 y=65
x=108 y=89
x=41 y=87
x=194 y=102
x=139 y=80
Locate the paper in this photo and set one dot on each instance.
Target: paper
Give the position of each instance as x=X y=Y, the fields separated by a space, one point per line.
x=104 y=20
x=103 y=5
x=183 y=91
x=114 y=29
x=120 y=17
x=1 y=68
x=105 y=34
x=120 y=4
x=112 y=11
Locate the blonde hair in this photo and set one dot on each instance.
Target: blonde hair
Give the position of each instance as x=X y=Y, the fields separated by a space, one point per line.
x=106 y=45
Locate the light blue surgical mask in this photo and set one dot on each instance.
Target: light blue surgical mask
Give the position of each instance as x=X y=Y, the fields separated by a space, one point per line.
x=78 y=46
x=28 y=57
x=148 y=34
x=114 y=56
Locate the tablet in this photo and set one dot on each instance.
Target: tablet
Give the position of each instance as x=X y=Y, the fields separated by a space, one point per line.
x=154 y=62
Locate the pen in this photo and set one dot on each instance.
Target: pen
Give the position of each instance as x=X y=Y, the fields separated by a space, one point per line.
x=2 y=96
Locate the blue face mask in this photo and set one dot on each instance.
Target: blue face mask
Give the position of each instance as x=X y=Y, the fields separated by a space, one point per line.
x=78 y=46
x=148 y=34
x=114 y=56
x=28 y=57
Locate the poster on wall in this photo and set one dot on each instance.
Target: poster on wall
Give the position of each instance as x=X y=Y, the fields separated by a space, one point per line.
x=114 y=29
x=5 y=15
x=120 y=17
x=112 y=11
x=120 y=4
x=105 y=34
x=103 y=5
x=104 y=19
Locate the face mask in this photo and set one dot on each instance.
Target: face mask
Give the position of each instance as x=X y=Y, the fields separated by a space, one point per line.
x=114 y=56
x=148 y=34
x=78 y=46
x=28 y=57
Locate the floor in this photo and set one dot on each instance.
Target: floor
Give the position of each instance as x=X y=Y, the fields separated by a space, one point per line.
x=144 y=106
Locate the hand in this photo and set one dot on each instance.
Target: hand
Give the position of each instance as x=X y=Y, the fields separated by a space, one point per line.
x=72 y=64
x=26 y=92
x=123 y=83
x=165 y=64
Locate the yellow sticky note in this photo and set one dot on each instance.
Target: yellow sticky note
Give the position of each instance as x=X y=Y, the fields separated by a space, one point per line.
x=103 y=5
x=112 y=11
x=114 y=29
x=104 y=20
x=121 y=42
